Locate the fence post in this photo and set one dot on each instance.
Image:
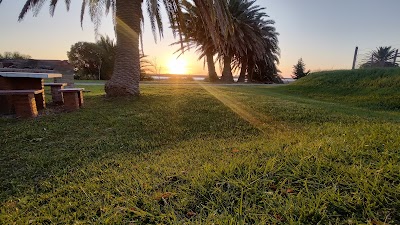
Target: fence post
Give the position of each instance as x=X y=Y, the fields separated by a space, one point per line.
x=355 y=58
x=372 y=59
x=395 y=57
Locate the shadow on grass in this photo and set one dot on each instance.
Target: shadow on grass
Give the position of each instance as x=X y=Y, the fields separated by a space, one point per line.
x=34 y=150
x=179 y=150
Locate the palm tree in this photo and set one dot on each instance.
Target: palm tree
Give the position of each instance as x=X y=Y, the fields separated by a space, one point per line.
x=107 y=50
x=145 y=67
x=197 y=37
x=384 y=54
x=254 y=41
x=128 y=18
x=250 y=62
x=264 y=68
x=381 y=57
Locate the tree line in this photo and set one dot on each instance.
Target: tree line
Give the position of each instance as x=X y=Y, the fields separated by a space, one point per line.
x=14 y=55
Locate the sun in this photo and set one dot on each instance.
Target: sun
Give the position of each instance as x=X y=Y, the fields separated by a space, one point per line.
x=177 y=66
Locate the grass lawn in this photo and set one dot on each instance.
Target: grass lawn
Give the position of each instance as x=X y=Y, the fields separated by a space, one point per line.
x=203 y=154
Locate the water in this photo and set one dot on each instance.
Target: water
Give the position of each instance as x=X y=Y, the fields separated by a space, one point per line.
x=195 y=78
x=202 y=78
x=159 y=77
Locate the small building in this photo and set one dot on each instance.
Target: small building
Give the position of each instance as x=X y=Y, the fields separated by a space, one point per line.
x=43 y=66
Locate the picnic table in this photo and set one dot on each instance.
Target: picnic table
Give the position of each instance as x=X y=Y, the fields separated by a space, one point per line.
x=23 y=81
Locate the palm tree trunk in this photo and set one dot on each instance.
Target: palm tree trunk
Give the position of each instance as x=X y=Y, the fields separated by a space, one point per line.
x=382 y=63
x=250 y=70
x=227 y=71
x=242 y=75
x=212 y=75
x=126 y=74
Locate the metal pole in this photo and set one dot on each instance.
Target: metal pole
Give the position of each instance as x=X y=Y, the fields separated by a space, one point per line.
x=101 y=62
x=355 y=58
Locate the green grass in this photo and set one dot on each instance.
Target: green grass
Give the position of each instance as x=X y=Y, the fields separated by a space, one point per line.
x=203 y=154
x=370 y=88
x=90 y=81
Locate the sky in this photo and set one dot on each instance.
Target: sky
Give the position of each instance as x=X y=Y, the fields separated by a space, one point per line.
x=324 y=33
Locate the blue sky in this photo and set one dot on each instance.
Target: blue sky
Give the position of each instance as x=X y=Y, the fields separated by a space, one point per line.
x=323 y=32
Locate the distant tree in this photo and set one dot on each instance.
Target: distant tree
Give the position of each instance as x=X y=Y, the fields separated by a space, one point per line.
x=145 y=67
x=107 y=53
x=96 y=60
x=155 y=66
x=381 y=57
x=14 y=55
x=85 y=57
x=298 y=70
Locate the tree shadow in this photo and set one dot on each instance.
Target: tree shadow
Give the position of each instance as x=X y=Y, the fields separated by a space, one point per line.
x=53 y=146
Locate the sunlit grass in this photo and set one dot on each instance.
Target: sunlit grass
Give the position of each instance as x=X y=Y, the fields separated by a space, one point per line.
x=371 y=88
x=203 y=154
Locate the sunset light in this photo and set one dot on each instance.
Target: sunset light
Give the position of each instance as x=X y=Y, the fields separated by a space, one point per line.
x=177 y=66
x=199 y=112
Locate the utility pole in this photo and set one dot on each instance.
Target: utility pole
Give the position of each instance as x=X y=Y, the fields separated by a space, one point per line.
x=355 y=58
x=395 y=57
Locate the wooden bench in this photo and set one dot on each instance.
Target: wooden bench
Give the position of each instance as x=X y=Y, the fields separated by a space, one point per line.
x=73 y=98
x=56 y=95
x=23 y=101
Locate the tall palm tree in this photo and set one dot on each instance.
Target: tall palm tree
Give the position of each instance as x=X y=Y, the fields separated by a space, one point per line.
x=266 y=64
x=252 y=37
x=254 y=40
x=128 y=17
x=197 y=37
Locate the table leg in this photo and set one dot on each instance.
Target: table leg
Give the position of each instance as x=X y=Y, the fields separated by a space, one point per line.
x=31 y=83
x=56 y=95
x=5 y=101
x=40 y=101
x=80 y=96
x=25 y=106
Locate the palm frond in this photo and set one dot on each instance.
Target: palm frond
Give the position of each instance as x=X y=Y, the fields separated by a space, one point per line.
x=215 y=16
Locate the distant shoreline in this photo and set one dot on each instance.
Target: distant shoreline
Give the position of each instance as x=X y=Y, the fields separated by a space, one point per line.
x=197 y=77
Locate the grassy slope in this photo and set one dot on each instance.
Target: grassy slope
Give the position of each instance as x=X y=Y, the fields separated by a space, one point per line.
x=203 y=155
x=371 y=88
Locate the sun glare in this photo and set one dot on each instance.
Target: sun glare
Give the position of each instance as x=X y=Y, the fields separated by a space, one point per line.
x=177 y=66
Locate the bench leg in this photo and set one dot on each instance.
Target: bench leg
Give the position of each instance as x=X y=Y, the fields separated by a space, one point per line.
x=40 y=101
x=80 y=99
x=56 y=95
x=71 y=100
x=25 y=105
